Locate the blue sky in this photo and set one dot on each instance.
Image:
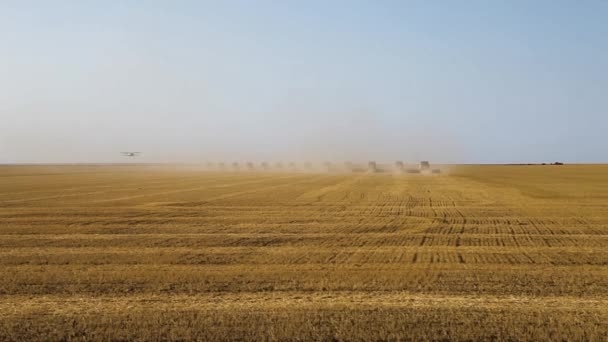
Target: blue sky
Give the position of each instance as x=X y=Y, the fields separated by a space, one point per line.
x=451 y=81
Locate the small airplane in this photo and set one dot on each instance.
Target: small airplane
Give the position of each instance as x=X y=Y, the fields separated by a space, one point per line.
x=130 y=154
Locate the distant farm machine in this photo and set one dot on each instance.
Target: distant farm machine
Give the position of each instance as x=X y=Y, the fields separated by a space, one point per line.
x=399 y=167
x=130 y=154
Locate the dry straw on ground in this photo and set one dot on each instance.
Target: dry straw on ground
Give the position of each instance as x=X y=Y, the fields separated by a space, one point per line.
x=152 y=253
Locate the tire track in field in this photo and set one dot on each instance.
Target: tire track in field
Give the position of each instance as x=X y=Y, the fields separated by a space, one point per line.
x=245 y=192
x=317 y=196
x=167 y=192
x=62 y=196
x=111 y=183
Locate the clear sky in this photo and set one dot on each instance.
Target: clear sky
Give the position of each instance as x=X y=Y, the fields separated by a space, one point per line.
x=450 y=81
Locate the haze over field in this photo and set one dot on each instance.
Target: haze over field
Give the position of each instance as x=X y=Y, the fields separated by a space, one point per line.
x=471 y=82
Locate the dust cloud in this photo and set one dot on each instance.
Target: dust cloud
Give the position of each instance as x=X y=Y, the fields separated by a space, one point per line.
x=278 y=133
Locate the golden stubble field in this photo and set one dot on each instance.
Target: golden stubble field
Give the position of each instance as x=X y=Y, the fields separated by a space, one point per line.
x=168 y=253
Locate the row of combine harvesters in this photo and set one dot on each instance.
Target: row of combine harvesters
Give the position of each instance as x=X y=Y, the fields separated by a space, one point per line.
x=424 y=167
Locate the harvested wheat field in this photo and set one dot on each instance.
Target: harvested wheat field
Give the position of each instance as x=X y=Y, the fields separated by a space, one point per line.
x=170 y=253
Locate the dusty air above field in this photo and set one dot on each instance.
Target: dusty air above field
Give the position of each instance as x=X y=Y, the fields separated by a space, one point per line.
x=424 y=167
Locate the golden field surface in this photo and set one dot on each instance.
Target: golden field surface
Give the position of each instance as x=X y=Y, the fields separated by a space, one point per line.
x=121 y=252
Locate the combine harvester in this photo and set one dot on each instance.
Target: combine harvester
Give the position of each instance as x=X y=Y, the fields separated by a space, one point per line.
x=372 y=167
x=425 y=167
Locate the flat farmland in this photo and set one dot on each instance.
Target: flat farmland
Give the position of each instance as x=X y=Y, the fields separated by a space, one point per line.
x=136 y=252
